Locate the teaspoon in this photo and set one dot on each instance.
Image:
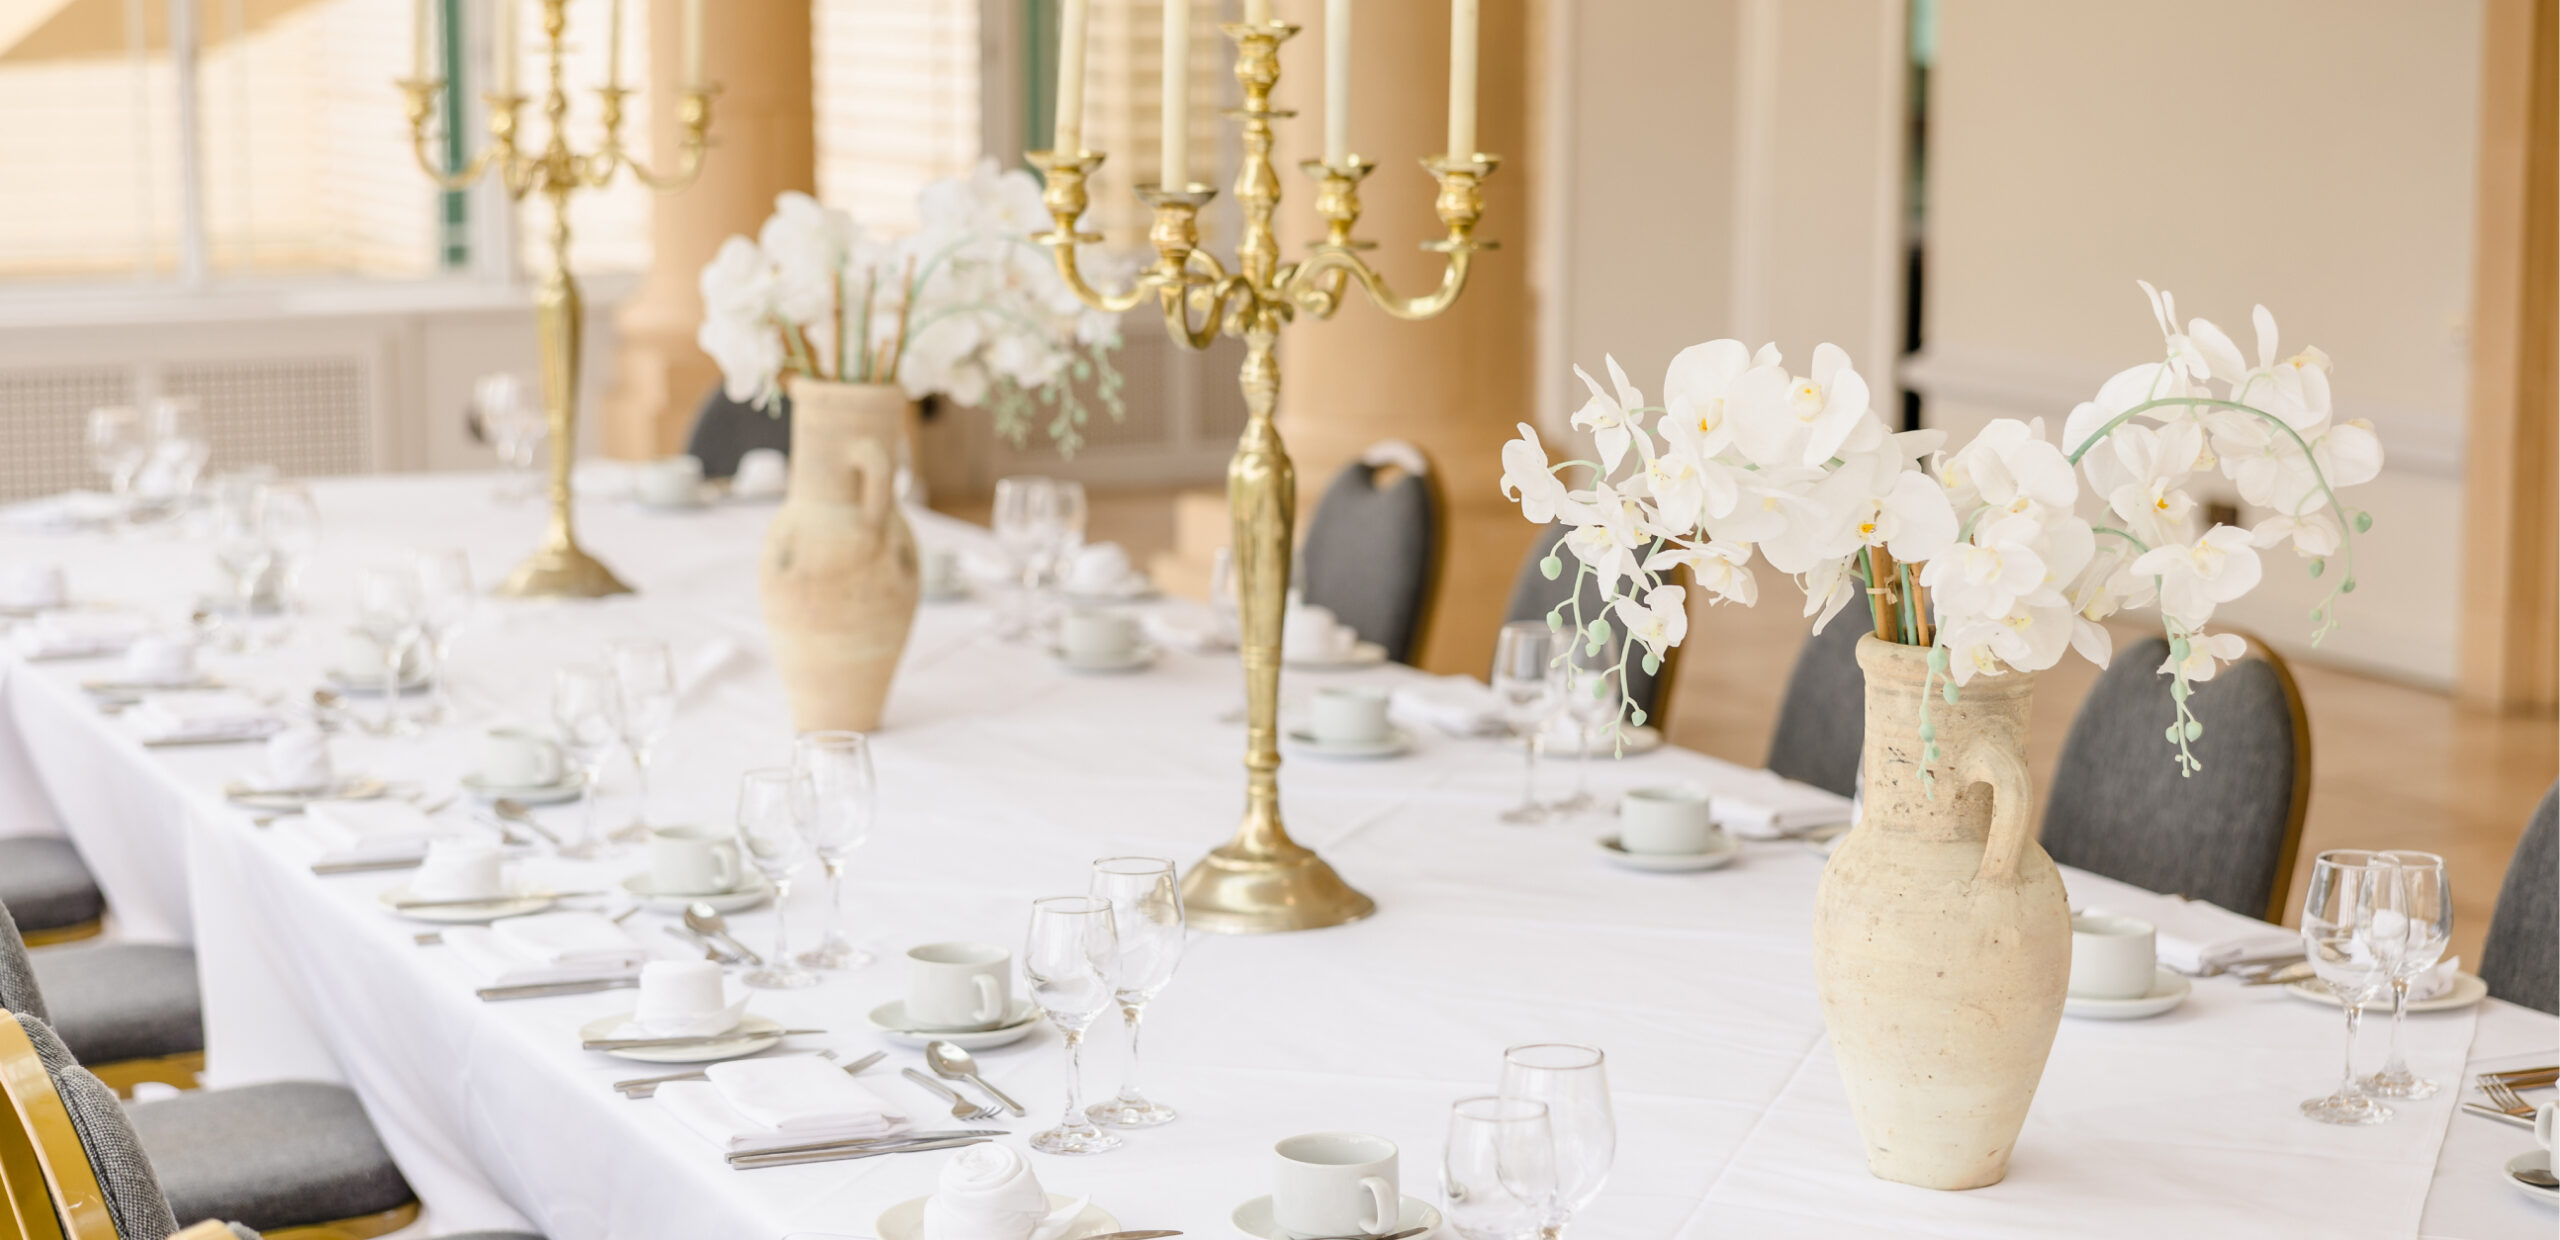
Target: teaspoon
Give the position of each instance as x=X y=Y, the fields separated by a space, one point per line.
x=702 y=919
x=951 y=1063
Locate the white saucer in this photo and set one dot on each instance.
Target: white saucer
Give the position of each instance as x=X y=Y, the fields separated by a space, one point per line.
x=2532 y=1160
x=1365 y=654
x=2466 y=990
x=1136 y=589
x=1140 y=656
x=1253 y=1218
x=754 y=1033
x=905 y=1220
x=462 y=914
x=540 y=794
x=1671 y=863
x=1020 y=1019
x=347 y=788
x=1567 y=745
x=1303 y=742
x=2168 y=990
x=747 y=897
x=701 y=499
x=357 y=684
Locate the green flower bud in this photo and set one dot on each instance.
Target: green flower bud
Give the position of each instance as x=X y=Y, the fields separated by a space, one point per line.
x=1635 y=716
x=2318 y=567
x=1652 y=664
x=1929 y=733
x=2194 y=729
x=2364 y=521
x=2348 y=586
x=2178 y=648
x=1552 y=566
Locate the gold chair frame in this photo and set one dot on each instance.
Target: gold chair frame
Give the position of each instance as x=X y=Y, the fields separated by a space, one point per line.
x=72 y=933
x=2281 y=894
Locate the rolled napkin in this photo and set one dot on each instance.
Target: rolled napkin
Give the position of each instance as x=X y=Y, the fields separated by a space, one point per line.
x=1103 y=568
x=1762 y=806
x=684 y=999
x=2436 y=981
x=79 y=634
x=747 y=1105
x=31 y=587
x=1192 y=628
x=297 y=761
x=1458 y=705
x=495 y=958
x=385 y=829
x=1310 y=631
x=2192 y=936
x=762 y=474
x=988 y=1192
x=168 y=718
x=67 y=513
x=570 y=938
x=158 y=659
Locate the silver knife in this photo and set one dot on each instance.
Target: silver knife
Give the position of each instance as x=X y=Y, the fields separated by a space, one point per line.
x=504 y=899
x=710 y=1039
x=751 y=1162
x=544 y=990
x=366 y=867
x=642 y=1087
x=874 y=1143
x=2490 y=1112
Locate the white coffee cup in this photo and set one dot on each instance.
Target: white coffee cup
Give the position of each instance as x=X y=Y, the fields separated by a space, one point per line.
x=460 y=870
x=762 y=474
x=1335 y=1184
x=681 y=998
x=158 y=659
x=693 y=861
x=2112 y=957
x=2545 y=1119
x=958 y=986
x=1673 y=818
x=938 y=571
x=675 y=481
x=519 y=758
x=1348 y=714
x=1098 y=636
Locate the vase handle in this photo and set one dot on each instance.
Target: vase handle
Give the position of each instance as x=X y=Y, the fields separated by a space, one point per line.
x=875 y=479
x=2012 y=806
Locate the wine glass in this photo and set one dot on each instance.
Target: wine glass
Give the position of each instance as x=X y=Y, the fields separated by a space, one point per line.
x=843 y=799
x=1146 y=910
x=292 y=521
x=1574 y=1083
x=587 y=711
x=240 y=546
x=179 y=448
x=2426 y=913
x=1064 y=529
x=118 y=444
x=444 y=594
x=2353 y=930
x=387 y=610
x=1021 y=518
x=515 y=428
x=644 y=675
x=1498 y=1174
x=1588 y=678
x=1069 y=958
x=769 y=833
x=1523 y=658
x=1223 y=606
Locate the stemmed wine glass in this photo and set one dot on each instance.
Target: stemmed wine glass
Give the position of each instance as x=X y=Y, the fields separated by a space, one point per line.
x=291 y=519
x=179 y=449
x=1574 y=1083
x=387 y=610
x=444 y=595
x=843 y=798
x=587 y=711
x=644 y=674
x=1146 y=910
x=240 y=545
x=118 y=444
x=1069 y=958
x=515 y=427
x=1064 y=530
x=1022 y=518
x=2353 y=930
x=2427 y=915
x=1588 y=687
x=1523 y=655
x=769 y=832
x=1498 y=1174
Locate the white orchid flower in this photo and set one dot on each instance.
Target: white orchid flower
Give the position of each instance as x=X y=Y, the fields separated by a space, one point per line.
x=2206 y=653
x=1913 y=520
x=1697 y=394
x=809 y=244
x=1721 y=569
x=2141 y=471
x=1782 y=419
x=1613 y=420
x=749 y=355
x=2314 y=533
x=1989 y=575
x=1658 y=623
x=1828 y=588
x=2196 y=577
x=1528 y=480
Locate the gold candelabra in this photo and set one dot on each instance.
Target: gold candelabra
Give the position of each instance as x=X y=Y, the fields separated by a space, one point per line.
x=560 y=568
x=1261 y=880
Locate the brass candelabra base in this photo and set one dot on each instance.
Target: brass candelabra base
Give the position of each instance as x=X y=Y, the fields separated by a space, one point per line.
x=1236 y=890
x=561 y=570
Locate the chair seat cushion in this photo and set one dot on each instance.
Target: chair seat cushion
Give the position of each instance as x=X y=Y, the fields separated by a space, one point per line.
x=45 y=885
x=116 y=1001
x=286 y=1154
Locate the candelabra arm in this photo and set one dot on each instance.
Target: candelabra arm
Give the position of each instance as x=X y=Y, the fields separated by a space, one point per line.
x=1318 y=282
x=693 y=114
x=1064 y=194
x=500 y=152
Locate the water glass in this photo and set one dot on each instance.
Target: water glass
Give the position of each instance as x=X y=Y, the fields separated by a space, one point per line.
x=291 y=519
x=445 y=597
x=1498 y=1175
x=1146 y=910
x=1573 y=1081
x=769 y=833
x=2354 y=927
x=515 y=426
x=644 y=674
x=1524 y=655
x=1069 y=957
x=2427 y=926
x=118 y=444
x=842 y=802
x=1024 y=514
x=1588 y=678
x=587 y=712
x=387 y=610
x=240 y=546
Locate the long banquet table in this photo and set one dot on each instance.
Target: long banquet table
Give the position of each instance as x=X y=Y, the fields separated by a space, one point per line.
x=1001 y=776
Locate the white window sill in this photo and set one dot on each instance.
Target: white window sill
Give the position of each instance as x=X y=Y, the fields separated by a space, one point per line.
x=110 y=305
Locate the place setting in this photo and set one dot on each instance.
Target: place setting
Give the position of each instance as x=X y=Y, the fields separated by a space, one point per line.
x=1668 y=829
x=1100 y=574
x=688 y=1011
x=1313 y=639
x=689 y=865
x=462 y=882
x=960 y=993
x=525 y=766
x=153 y=663
x=1094 y=641
x=1349 y=723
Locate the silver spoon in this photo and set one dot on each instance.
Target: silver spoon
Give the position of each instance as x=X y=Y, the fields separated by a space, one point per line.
x=951 y=1063
x=2536 y=1177
x=514 y=811
x=705 y=920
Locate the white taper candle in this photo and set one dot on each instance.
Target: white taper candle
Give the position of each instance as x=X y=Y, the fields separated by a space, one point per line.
x=1257 y=12
x=613 y=48
x=1173 y=167
x=502 y=23
x=1068 y=139
x=424 y=70
x=1462 y=79
x=693 y=75
x=1337 y=82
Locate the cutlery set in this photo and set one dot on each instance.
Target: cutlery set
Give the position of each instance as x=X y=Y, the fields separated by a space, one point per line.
x=2504 y=1104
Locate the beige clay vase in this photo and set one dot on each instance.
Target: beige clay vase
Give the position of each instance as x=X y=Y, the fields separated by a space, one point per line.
x=838 y=577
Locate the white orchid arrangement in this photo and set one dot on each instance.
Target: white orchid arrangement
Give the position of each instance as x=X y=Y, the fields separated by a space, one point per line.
x=965 y=308
x=1748 y=458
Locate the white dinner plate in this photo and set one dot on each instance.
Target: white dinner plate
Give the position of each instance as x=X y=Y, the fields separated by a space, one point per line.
x=359 y=684
x=347 y=788
x=2466 y=990
x=754 y=1033
x=1140 y=656
x=1568 y=745
x=462 y=914
x=1020 y=1019
x=1253 y=1219
x=905 y=1220
x=2532 y=1160
x=1671 y=863
x=1365 y=654
x=539 y=794
x=2168 y=990
x=656 y=901
x=1305 y=743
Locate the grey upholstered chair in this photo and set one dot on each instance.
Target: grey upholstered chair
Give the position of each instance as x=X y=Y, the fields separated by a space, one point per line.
x=43 y=881
x=2120 y=806
x=130 y=1011
x=726 y=430
x=1822 y=721
x=1533 y=597
x=2521 y=961
x=1372 y=554
x=96 y=1147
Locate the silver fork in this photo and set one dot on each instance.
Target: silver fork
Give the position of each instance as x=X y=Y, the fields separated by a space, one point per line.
x=962 y=1109
x=2504 y=1098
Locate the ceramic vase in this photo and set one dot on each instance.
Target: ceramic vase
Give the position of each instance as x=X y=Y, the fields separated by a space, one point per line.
x=838 y=576
x=1942 y=938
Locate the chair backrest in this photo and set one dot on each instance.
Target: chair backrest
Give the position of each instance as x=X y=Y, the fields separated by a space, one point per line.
x=73 y=1167
x=726 y=430
x=1372 y=553
x=2121 y=806
x=1822 y=721
x=18 y=991
x=1533 y=596
x=2521 y=961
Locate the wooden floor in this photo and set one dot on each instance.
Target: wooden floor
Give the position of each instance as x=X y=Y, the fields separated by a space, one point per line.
x=2392 y=766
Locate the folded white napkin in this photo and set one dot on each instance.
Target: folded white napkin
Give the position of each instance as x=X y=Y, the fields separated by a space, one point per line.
x=2435 y=981
x=762 y=474
x=497 y=958
x=760 y=1104
x=224 y=715
x=2191 y=935
x=1458 y=705
x=297 y=761
x=1763 y=806
x=988 y=1192
x=1311 y=632
x=158 y=659
x=80 y=634
x=685 y=999
x=384 y=829
x=68 y=512
x=1191 y=628
x=570 y=937
x=1103 y=568
x=31 y=587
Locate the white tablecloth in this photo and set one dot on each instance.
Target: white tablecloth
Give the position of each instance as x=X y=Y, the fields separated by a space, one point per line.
x=1001 y=777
